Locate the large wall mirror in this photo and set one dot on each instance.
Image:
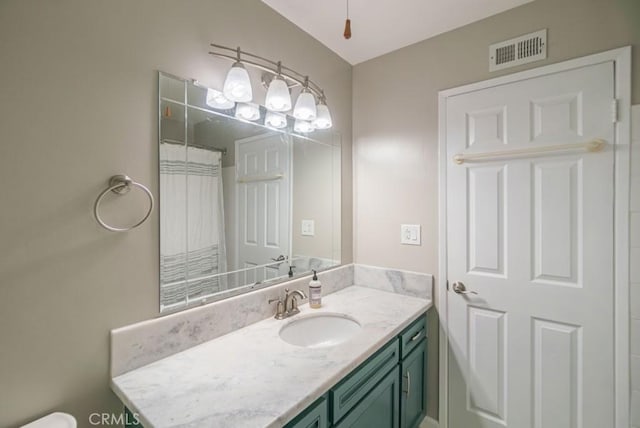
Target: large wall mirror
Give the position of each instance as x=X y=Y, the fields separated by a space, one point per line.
x=242 y=205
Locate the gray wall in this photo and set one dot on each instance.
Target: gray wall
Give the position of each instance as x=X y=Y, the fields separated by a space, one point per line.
x=395 y=116
x=313 y=199
x=395 y=113
x=78 y=84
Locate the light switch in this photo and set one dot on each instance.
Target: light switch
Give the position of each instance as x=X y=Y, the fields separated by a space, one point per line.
x=308 y=227
x=410 y=234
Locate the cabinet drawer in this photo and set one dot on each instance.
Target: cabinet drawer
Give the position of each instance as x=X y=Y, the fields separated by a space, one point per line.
x=351 y=390
x=413 y=335
x=315 y=416
x=379 y=409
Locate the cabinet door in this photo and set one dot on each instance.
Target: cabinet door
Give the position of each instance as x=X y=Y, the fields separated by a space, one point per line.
x=379 y=408
x=131 y=419
x=352 y=390
x=412 y=398
x=314 y=417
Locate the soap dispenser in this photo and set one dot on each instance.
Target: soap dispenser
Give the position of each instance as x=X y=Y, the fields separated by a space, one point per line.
x=315 y=292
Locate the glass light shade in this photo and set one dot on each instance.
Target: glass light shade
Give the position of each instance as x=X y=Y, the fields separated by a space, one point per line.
x=303 y=126
x=247 y=111
x=323 y=117
x=215 y=99
x=278 y=96
x=237 y=85
x=275 y=120
x=305 y=108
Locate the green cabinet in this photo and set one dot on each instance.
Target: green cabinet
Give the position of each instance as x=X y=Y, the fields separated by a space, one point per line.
x=413 y=360
x=131 y=419
x=379 y=408
x=358 y=384
x=412 y=398
x=314 y=416
x=412 y=336
x=387 y=390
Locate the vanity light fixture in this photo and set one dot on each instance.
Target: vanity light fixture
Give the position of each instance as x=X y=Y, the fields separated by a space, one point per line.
x=305 y=108
x=303 y=126
x=247 y=111
x=217 y=100
x=237 y=87
x=278 y=96
x=323 y=116
x=275 y=120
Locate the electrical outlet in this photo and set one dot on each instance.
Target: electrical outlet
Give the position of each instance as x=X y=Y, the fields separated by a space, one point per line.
x=308 y=228
x=410 y=234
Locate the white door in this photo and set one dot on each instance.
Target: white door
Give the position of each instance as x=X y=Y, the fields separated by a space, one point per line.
x=263 y=186
x=533 y=236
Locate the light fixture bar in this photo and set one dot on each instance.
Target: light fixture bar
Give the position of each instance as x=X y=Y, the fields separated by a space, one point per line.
x=269 y=66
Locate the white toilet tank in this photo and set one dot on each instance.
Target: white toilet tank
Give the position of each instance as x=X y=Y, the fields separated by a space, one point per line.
x=54 y=420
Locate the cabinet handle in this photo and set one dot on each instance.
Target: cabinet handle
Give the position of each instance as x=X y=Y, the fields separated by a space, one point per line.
x=417 y=335
x=408 y=378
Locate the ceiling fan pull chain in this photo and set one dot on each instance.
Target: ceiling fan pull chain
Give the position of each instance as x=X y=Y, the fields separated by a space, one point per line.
x=347 y=25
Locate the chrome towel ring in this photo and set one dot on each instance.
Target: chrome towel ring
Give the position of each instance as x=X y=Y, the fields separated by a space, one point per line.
x=121 y=184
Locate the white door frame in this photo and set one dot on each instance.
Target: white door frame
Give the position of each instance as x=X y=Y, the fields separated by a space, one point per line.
x=622 y=69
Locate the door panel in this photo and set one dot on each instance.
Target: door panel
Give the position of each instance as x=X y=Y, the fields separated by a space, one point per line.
x=556 y=117
x=486 y=351
x=486 y=220
x=557 y=374
x=534 y=238
x=487 y=127
x=557 y=214
x=264 y=204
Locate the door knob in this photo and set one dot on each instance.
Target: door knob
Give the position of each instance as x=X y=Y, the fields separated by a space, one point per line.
x=460 y=288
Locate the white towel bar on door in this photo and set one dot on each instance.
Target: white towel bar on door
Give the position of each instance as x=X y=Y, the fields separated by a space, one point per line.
x=591 y=146
x=251 y=179
x=120 y=185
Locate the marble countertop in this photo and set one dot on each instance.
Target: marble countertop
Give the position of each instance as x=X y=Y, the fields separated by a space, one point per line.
x=251 y=378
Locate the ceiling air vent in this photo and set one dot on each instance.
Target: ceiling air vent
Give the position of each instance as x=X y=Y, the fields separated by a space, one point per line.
x=521 y=50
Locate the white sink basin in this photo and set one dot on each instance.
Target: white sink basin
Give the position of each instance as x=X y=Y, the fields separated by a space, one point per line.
x=319 y=330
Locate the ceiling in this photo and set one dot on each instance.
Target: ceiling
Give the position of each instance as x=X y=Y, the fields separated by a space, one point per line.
x=382 y=26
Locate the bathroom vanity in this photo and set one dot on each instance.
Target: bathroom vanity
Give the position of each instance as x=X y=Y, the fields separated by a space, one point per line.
x=253 y=378
x=380 y=392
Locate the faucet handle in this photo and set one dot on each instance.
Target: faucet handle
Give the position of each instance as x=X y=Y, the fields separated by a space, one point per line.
x=279 y=308
x=294 y=306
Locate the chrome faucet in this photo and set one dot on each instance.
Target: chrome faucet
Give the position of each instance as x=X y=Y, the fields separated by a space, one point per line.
x=289 y=306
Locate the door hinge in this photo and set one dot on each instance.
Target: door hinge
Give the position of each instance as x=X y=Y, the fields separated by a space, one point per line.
x=614 y=110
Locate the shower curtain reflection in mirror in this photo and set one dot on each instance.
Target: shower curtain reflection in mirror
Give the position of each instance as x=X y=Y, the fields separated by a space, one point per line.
x=192 y=244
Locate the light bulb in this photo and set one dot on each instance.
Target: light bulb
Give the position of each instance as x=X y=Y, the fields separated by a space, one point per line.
x=237 y=85
x=323 y=117
x=305 y=108
x=303 y=126
x=275 y=120
x=278 y=96
x=215 y=99
x=247 y=111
